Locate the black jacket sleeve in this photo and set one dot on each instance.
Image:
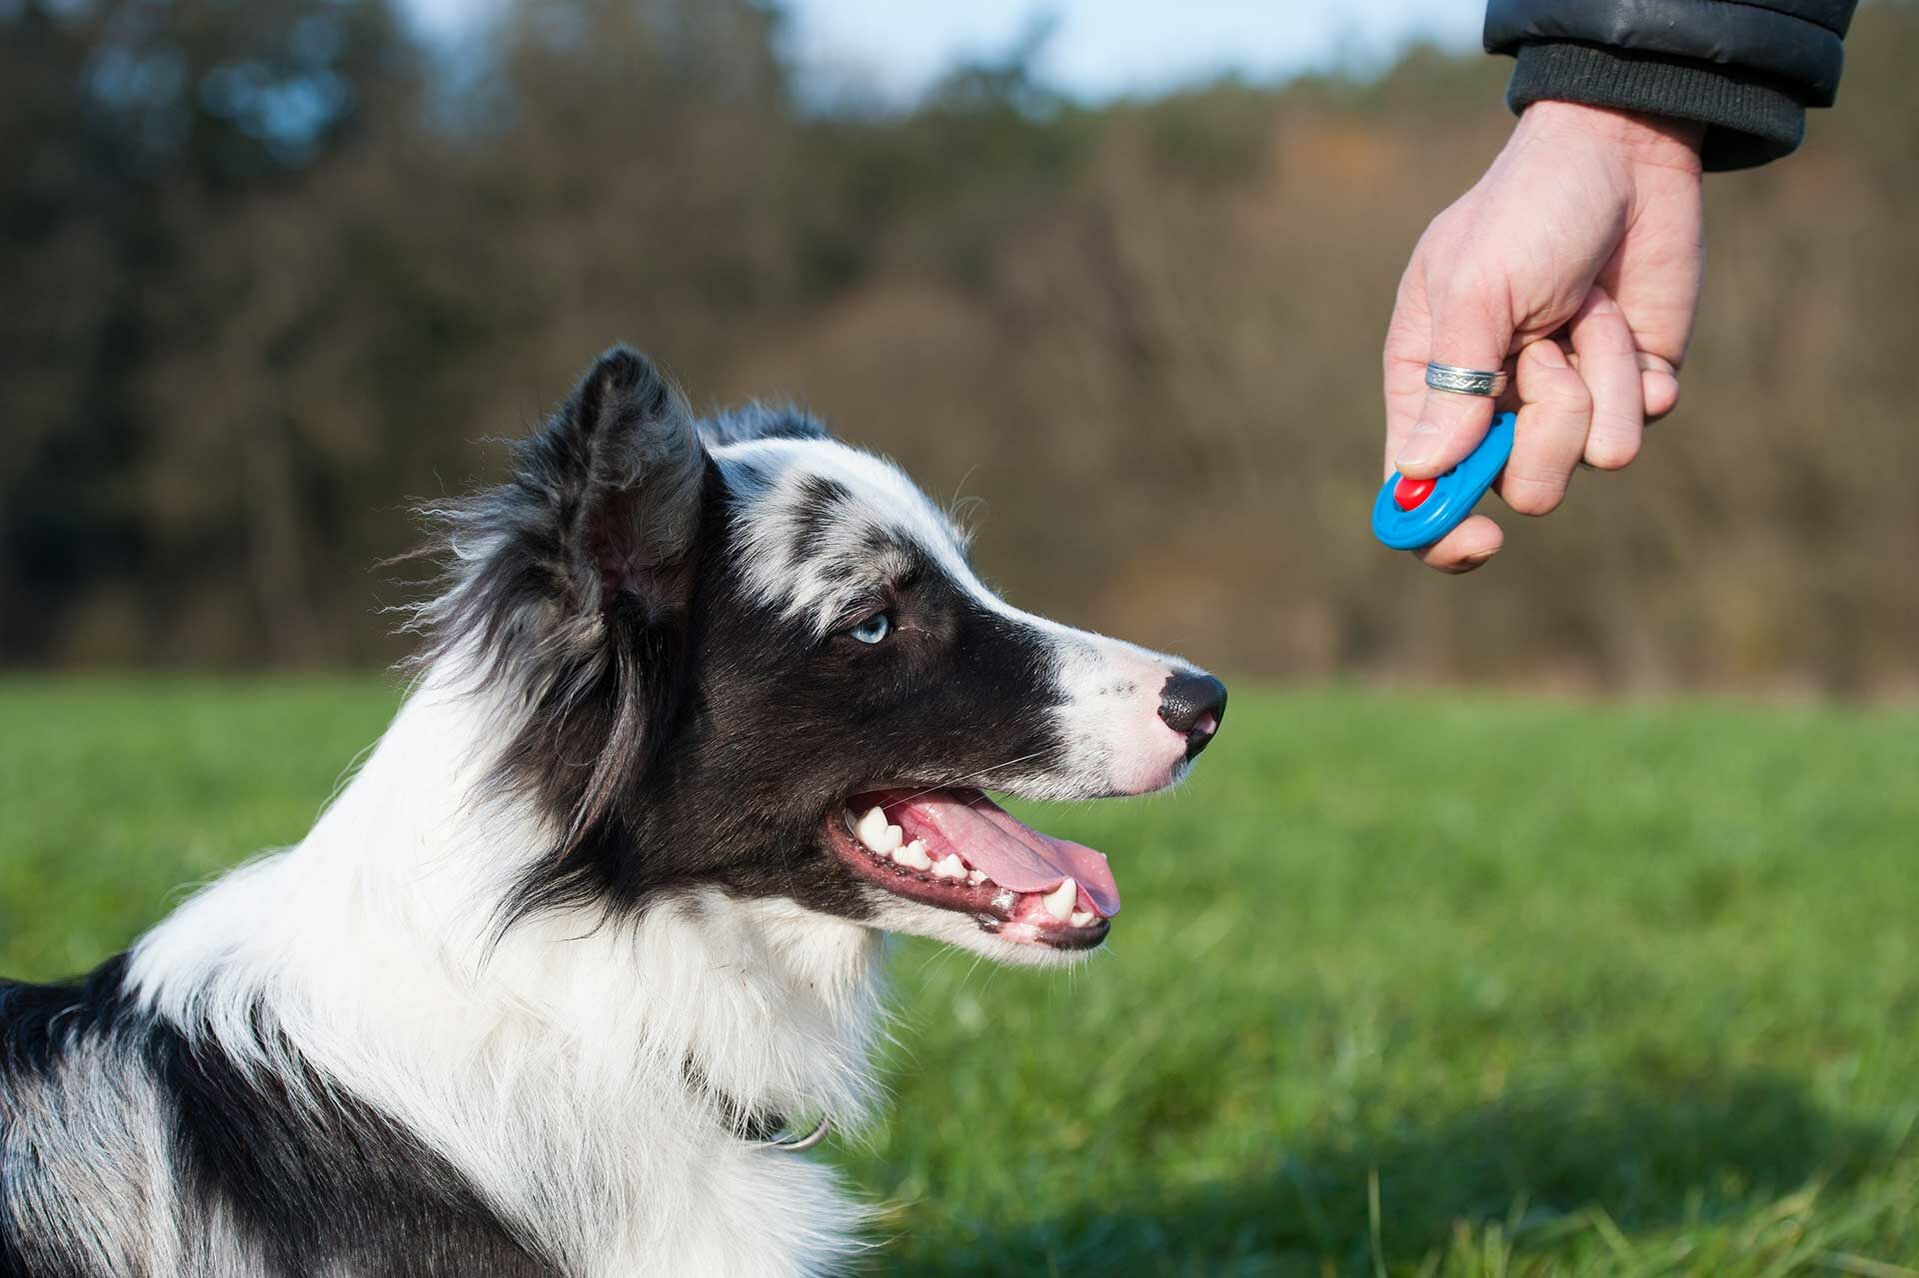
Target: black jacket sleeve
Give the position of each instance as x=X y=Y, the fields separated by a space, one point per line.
x=1747 y=69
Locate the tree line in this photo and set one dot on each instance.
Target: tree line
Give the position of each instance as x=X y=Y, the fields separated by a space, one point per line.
x=270 y=271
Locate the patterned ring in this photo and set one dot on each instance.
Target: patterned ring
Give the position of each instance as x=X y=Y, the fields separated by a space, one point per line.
x=1466 y=381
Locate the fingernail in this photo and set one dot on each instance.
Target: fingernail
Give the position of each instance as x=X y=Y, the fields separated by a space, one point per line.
x=1419 y=446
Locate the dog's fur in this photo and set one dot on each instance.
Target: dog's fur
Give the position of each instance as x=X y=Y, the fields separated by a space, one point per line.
x=533 y=993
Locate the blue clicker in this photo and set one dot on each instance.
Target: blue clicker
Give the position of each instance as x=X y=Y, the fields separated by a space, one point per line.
x=1425 y=519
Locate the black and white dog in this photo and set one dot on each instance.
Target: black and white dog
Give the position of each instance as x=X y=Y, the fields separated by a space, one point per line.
x=704 y=708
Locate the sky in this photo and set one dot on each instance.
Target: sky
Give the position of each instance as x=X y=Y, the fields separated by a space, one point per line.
x=1109 y=48
x=1100 y=49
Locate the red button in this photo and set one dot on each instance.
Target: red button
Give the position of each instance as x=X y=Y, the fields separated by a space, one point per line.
x=1408 y=493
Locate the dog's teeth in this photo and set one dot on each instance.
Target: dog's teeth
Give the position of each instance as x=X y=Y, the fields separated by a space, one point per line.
x=876 y=834
x=1081 y=918
x=1060 y=901
x=976 y=877
x=913 y=855
x=948 y=866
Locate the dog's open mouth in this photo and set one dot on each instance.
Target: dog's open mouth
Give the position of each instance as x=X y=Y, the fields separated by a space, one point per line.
x=958 y=850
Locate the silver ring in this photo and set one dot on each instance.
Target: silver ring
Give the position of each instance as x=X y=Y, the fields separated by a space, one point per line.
x=1466 y=381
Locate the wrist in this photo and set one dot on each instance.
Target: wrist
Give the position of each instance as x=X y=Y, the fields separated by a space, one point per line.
x=1643 y=138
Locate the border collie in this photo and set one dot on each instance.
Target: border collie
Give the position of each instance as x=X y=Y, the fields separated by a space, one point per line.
x=704 y=707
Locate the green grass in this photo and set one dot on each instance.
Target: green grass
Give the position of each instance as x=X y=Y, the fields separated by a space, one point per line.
x=1404 y=984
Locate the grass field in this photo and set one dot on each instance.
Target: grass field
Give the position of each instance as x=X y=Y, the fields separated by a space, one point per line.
x=1404 y=984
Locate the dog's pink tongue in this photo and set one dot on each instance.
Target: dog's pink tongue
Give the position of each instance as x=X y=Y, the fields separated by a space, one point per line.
x=1013 y=855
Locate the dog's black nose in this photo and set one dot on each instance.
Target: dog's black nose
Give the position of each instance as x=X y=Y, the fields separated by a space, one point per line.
x=1192 y=704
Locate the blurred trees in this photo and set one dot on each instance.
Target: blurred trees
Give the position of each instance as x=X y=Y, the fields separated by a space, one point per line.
x=268 y=270
x=139 y=136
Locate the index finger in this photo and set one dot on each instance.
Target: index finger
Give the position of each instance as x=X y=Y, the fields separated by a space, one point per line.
x=1465 y=547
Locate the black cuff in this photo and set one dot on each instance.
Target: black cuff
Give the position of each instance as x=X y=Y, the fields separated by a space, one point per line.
x=1749 y=120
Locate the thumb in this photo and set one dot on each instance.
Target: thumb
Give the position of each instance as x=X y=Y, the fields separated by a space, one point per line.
x=1471 y=329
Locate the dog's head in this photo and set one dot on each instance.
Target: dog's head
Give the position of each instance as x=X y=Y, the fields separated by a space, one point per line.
x=751 y=657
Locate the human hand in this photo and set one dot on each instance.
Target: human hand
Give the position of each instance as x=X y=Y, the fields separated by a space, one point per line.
x=1580 y=251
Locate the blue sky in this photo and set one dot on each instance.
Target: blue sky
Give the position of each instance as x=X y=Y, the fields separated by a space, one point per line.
x=1100 y=48
x=1105 y=48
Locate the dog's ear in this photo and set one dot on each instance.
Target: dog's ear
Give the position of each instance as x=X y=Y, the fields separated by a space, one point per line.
x=572 y=579
x=601 y=521
x=630 y=472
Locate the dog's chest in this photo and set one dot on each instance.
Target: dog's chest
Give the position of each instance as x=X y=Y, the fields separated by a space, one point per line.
x=732 y=1209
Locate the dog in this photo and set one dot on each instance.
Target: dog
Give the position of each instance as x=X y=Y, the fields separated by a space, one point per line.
x=589 y=948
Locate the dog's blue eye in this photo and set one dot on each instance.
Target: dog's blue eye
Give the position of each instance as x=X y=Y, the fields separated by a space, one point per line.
x=874 y=628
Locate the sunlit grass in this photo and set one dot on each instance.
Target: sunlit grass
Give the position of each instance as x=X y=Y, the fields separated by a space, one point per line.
x=1412 y=984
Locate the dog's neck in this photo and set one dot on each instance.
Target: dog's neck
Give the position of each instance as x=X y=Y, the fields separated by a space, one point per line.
x=567 y=1063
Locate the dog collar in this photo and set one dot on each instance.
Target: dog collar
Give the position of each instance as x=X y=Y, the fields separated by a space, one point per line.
x=799 y=1144
x=761 y=1131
